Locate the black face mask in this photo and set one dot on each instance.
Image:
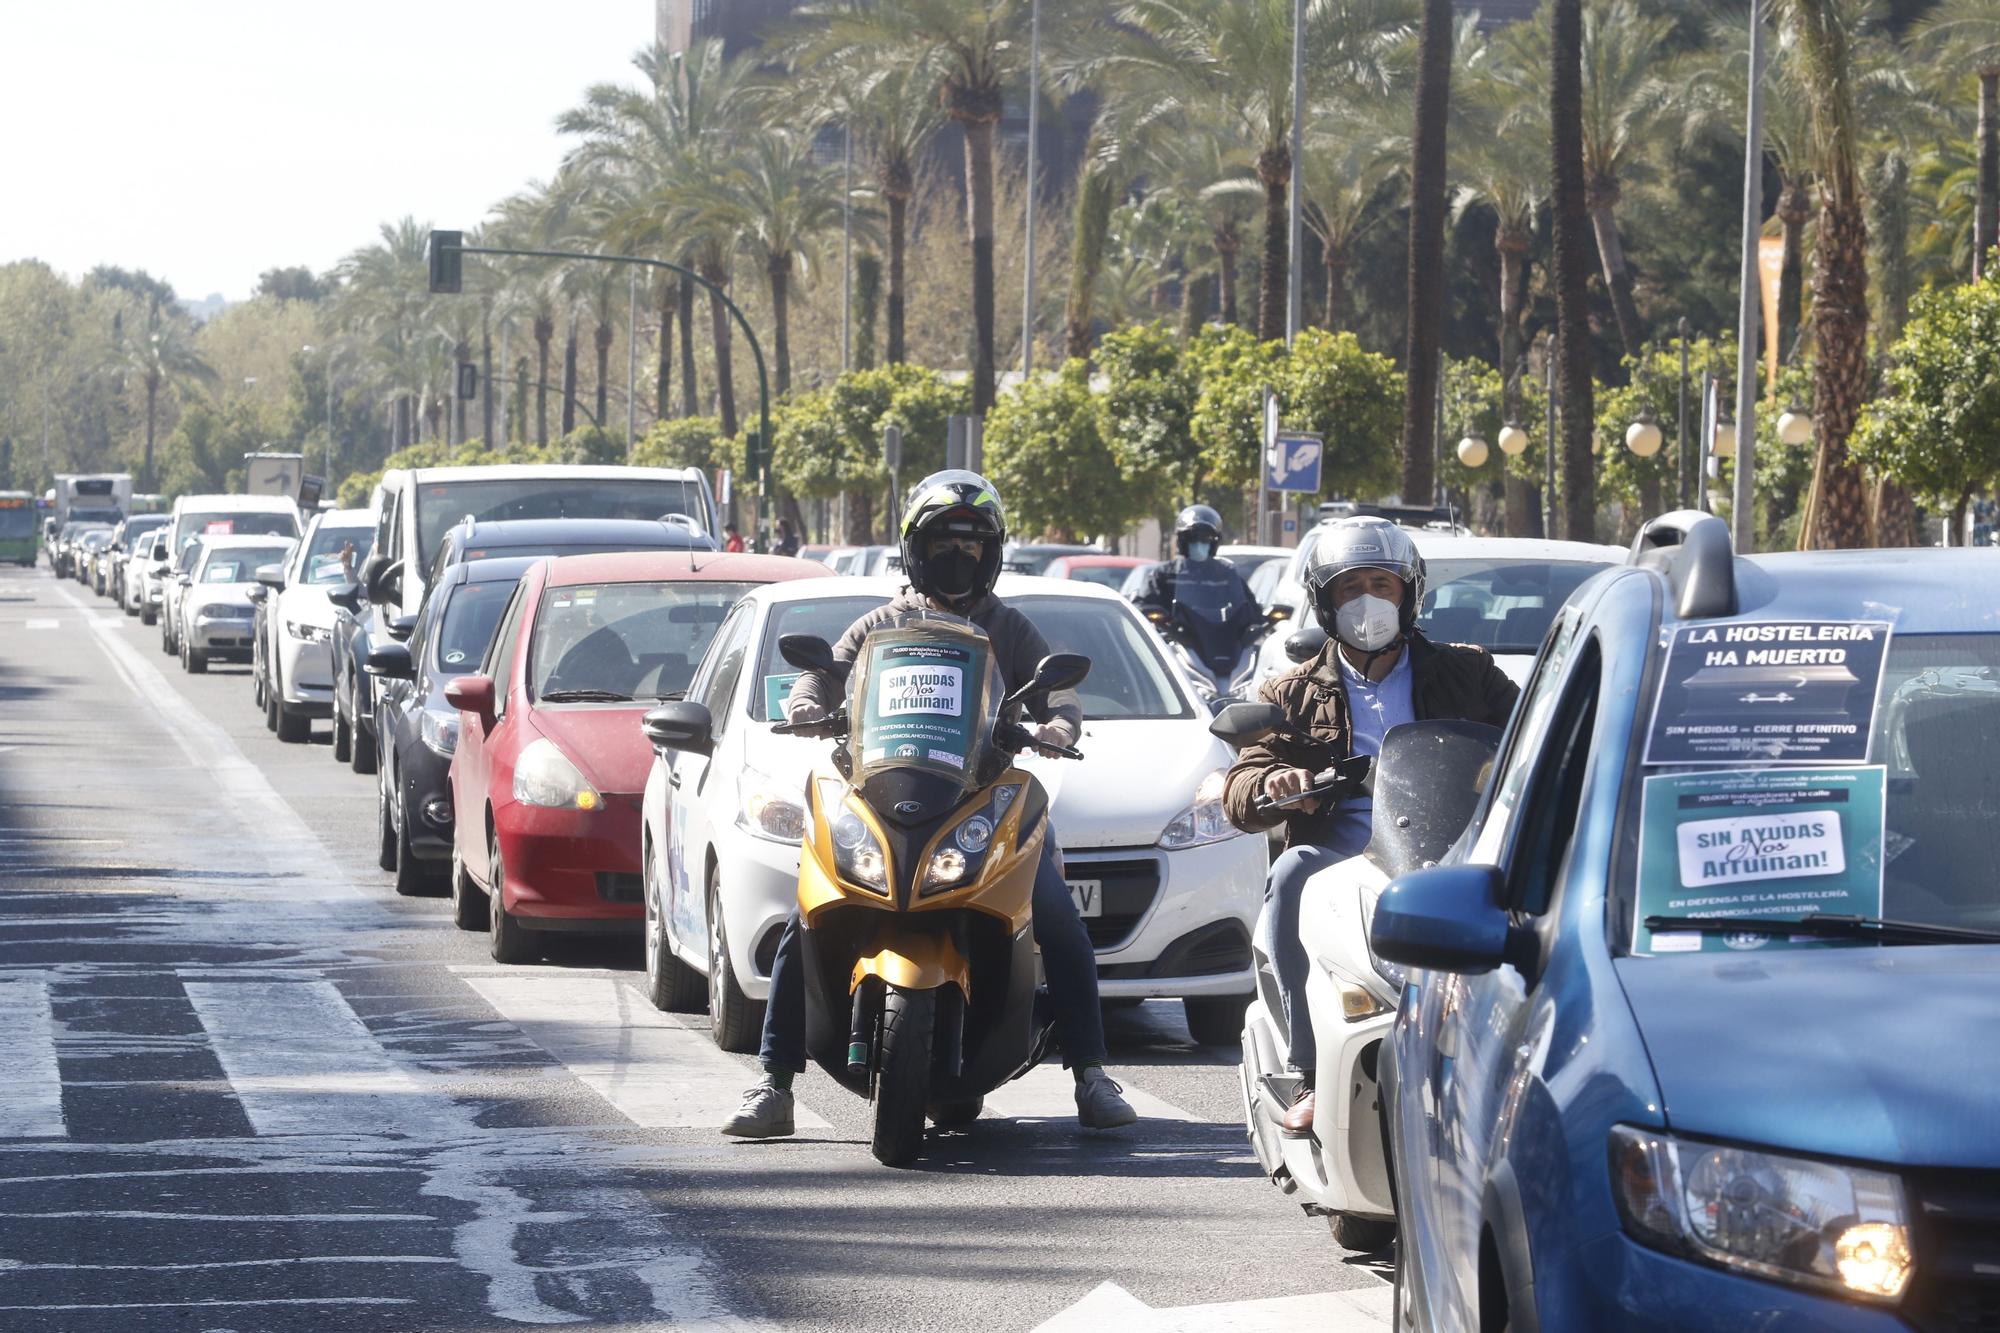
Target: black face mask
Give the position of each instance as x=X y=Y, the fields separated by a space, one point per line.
x=955 y=573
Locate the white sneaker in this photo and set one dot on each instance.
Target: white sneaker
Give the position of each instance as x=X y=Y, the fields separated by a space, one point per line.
x=766 y=1113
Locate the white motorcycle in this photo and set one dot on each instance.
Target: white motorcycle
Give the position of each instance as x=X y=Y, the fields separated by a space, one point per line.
x=1425 y=786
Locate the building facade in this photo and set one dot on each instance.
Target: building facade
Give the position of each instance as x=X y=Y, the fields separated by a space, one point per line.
x=681 y=23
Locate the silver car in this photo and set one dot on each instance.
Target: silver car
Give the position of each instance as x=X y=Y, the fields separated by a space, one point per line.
x=214 y=609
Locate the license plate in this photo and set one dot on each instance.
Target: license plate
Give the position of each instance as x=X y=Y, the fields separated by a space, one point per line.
x=1088 y=895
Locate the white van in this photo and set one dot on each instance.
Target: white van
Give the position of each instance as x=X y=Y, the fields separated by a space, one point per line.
x=233 y=516
x=415 y=507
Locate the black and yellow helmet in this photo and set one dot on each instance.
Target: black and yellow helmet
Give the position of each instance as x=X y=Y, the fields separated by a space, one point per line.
x=953 y=503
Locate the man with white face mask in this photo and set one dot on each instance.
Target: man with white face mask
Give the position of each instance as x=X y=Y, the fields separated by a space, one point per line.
x=1377 y=671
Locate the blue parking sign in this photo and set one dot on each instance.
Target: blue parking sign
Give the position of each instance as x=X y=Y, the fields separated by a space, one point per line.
x=1293 y=463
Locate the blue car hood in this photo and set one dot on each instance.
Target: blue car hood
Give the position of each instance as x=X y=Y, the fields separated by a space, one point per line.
x=1882 y=1054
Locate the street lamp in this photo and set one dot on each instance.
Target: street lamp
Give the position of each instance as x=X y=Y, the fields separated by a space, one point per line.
x=1472 y=450
x=1795 y=427
x=1513 y=439
x=1643 y=437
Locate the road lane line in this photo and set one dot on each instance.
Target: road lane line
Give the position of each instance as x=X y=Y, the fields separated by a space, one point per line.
x=302 y=1062
x=30 y=1078
x=44 y=623
x=654 y=1071
x=1048 y=1092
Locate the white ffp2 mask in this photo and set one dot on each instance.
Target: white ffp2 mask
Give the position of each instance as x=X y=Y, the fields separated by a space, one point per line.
x=1367 y=623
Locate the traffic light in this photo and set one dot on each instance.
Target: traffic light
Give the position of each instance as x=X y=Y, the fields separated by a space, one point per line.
x=447 y=259
x=468 y=380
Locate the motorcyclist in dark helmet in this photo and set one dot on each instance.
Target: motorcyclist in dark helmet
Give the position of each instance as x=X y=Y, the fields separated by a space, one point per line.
x=1377 y=671
x=1199 y=596
x=953 y=530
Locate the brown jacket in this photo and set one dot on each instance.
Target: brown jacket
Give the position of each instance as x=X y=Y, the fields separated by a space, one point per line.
x=1017 y=646
x=1449 y=681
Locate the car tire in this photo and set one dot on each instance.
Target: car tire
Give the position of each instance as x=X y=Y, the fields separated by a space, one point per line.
x=195 y=661
x=148 y=616
x=166 y=640
x=671 y=985
x=293 y=728
x=385 y=829
x=270 y=711
x=343 y=738
x=1215 y=1020
x=258 y=694
x=507 y=940
x=414 y=879
x=1362 y=1235
x=468 y=903
x=734 y=1019
x=361 y=755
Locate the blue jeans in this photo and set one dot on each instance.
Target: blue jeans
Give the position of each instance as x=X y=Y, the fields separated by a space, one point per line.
x=1278 y=937
x=1067 y=958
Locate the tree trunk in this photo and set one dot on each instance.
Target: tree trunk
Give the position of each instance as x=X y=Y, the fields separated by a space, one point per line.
x=1889 y=231
x=725 y=378
x=1274 y=172
x=1840 y=371
x=1428 y=185
x=860 y=517
x=690 y=391
x=895 y=349
x=569 y=380
x=979 y=224
x=152 y=426
x=1794 y=208
x=868 y=308
x=1523 y=516
x=779 y=269
x=544 y=331
x=461 y=352
x=663 y=371
x=604 y=336
x=1334 y=257
x=1194 y=304
x=1895 y=515
x=1095 y=195
x=1987 y=215
x=1572 y=272
x=520 y=404
x=1228 y=243
x=1601 y=200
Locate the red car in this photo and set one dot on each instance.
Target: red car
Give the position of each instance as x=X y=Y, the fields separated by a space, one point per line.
x=551 y=764
x=1109 y=570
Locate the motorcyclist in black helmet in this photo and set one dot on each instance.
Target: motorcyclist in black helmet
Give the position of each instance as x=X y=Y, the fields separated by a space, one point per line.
x=1199 y=598
x=953 y=530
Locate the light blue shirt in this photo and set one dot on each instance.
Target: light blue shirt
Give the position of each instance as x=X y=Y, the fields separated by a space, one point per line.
x=1373 y=707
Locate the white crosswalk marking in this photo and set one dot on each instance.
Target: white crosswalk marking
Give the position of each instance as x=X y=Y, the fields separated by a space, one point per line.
x=30 y=1080
x=1048 y=1092
x=302 y=1062
x=656 y=1072
x=43 y=623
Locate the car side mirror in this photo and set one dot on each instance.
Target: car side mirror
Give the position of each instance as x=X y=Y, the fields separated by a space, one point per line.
x=1277 y=613
x=1239 y=725
x=807 y=652
x=185 y=580
x=681 y=725
x=383 y=578
x=257 y=593
x=160 y=568
x=348 y=597
x=400 y=628
x=472 y=694
x=1444 y=919
x=271 y=576
x=1306 y=644
x=390 y=660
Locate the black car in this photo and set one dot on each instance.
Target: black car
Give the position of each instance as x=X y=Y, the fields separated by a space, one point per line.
x=361 y=626
x=417 y=729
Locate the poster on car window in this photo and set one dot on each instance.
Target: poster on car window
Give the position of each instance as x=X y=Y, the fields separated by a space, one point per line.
x=1768 y=692
x=922 y=705
x=777 y=689
x=1775 y=842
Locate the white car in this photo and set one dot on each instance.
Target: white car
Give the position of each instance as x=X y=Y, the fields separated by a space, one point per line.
x=151 y=568
x=1500 y=593
x=1168 y=888
x=214 y=610
x=298 y=621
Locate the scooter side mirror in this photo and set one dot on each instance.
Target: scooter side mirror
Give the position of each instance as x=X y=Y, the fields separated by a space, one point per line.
x=807 y=652
x=1306 y=644
x=1427 y=782
x=1245 y=724
x=1059 y=671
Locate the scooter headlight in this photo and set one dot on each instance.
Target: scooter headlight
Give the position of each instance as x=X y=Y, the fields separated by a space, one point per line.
x=960 y=854
x=857 y=853
x=1203 y=822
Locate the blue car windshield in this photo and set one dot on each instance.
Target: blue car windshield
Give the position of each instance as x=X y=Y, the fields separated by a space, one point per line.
x=1907 y=836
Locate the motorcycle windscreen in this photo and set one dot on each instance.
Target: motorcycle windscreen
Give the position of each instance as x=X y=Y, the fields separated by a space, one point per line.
x=1206 y=595
x=923 y=696
x=1428 y=781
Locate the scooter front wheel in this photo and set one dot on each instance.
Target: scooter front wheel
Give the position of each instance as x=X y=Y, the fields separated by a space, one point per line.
x=903 y=1077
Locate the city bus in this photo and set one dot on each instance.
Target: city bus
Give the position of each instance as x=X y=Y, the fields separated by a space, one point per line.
x=19 y=527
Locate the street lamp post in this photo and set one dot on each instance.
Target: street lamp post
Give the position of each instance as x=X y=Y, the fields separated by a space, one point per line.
x=1549 y=446
x=1682 y=459
x=1742 y=518
x=631 y=370
x=1034 y=131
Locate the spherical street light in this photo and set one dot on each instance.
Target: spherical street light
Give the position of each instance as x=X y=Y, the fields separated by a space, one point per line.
x=1472 y=450
x=1725 y=438
x=1643 y=436
x=1513 y=440
x=1795 y=427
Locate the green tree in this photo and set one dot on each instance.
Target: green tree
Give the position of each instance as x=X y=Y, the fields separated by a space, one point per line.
x=1327 y=384
x=1964 y=37
x=682 y=442
x=156 y=348
x=1050 y=428
x=1148 y=404
x=293 y=284
x=786 y=204
x=829 y=442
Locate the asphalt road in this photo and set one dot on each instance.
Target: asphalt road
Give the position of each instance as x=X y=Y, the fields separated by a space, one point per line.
x=244 y=1086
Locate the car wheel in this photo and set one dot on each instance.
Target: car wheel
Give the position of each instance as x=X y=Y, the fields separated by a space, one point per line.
x=468 y=904
x=1363 y=1235
x=671 y=984
x=506 y=938
x=195 y=661
x=166 y=639
x=1216 y=1020
x=257 y=691
x=343 y=739
x=270 y=711
x=293 y=728
x=734 y=1019
x=413 y=878
x=361 y=752
x=385 y=828
x=148 y=616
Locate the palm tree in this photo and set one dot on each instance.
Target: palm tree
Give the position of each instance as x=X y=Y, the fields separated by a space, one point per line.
x=1570 y=194
x=1351 y=154
x=1965 y=36
x=386 y=309
x=1216 y=177
x=527 y=220
x=158 y=353
x=1838 y=515
x=1428 y=187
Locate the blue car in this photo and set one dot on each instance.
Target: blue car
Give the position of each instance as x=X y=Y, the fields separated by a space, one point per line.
x=1700 y=1022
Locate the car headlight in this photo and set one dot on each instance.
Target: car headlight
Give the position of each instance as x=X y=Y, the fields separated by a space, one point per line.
x=960 y=853
x=309 y=633
x=1817 y=1224
x=766 y=810
x=439 y=729
x=1204 y=821
x=857 y=852
x=544 y=776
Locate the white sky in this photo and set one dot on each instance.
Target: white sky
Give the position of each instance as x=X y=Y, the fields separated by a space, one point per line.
x=208 y=140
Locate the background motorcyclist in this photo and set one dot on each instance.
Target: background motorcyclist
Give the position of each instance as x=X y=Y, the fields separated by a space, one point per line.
x=1200 y=587
x=952 y=533
x=1377 y=671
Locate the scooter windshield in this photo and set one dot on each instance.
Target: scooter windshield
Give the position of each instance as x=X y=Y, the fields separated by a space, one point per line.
x=924 y=694
x=1205 y=595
